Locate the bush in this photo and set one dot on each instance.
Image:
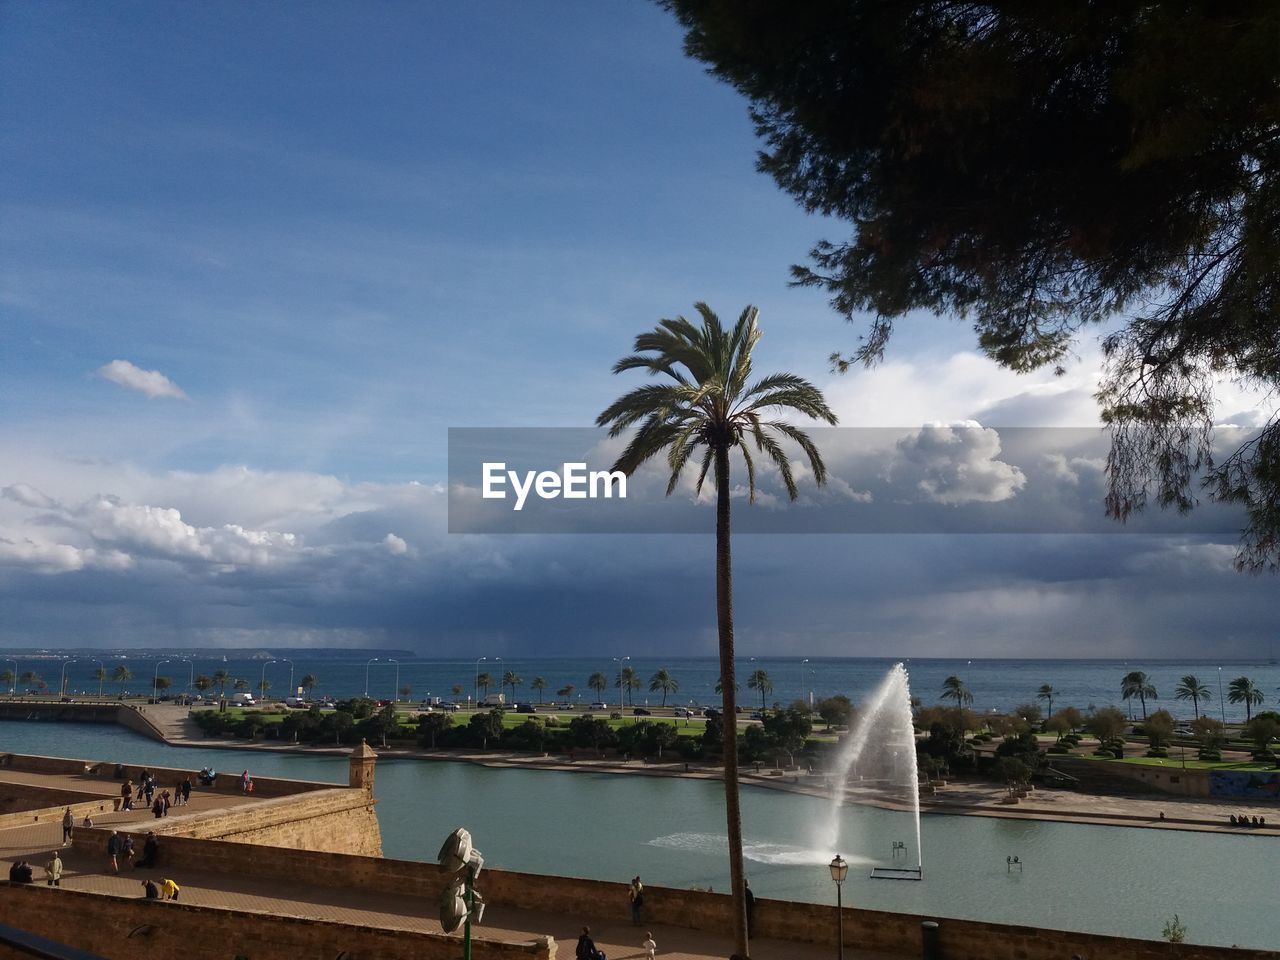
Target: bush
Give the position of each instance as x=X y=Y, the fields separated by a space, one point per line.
x=1059 y=748
x=1210 y=756
x=1160 y=753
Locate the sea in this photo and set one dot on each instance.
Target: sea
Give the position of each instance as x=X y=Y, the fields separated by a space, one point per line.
x=996 y=684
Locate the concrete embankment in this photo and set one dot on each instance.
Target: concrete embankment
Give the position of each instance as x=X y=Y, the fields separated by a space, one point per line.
x=125 y=714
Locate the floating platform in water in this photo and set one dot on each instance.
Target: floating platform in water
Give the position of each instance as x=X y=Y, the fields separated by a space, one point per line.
x=897 y=873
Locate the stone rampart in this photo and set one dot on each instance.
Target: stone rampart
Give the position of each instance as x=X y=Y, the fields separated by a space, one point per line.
x=122 y=928
x=892 y=933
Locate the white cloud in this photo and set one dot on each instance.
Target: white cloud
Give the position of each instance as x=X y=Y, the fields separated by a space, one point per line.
x=151 y=382
x=395 y=545
x=955 y=464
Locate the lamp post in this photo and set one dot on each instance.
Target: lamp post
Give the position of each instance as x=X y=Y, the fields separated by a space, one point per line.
x=395 y=694
x=155 y=678
x=262 y=680
x=804 y=673
x=1222 y=707
x=839 y=870
x=102 y=675
x=619 y=661
x=191 y=673
x=476 y=688
x=292 y=691
x=498 y=661
x=62 y=686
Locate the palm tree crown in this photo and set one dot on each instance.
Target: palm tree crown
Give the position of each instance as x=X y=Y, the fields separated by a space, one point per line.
x=662 y=680
x=1190 y=688
x=1243 y=690
x=1138 y=684
x=953 y=688
x=759 y=681
x=708 y=399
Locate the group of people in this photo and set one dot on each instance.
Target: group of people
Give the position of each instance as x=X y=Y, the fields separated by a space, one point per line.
x=164 y=890
x=22 y=871
x=121 y=847
x=1243 y=821
x=158 y=800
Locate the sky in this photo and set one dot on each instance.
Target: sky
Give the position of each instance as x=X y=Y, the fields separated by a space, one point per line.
x=257 y=260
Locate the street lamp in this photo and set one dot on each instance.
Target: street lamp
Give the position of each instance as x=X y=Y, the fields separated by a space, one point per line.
x=475 y=689
x=619 y=661
x=155 y=679
x=62 y=686
x=191 y=674
x=292 y=691
x=1222 y=707
x=804 y=672
x=395 y=694
x=262 y=681
x=839 y=870
x=102 y=675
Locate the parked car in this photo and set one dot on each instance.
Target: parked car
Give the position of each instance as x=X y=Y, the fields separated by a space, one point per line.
x=599 y=706
x=642 y=712
x=526 y=708
x=242 y=699
x=757 y=715
x=451 y=707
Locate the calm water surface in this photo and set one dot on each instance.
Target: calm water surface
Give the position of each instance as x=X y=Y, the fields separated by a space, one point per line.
x=1103 y=879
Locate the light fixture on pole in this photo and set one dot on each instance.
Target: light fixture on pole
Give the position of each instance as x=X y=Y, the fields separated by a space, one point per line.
x=62 y=687
x=1222 y=707
x=366 y=675
x=804 y=673
x=155 y=678
x=262 y=681
x=619 y=661
x=839 y=870
x=292 y=691
x=460 y=902
x=476 y=688
x=396 y=693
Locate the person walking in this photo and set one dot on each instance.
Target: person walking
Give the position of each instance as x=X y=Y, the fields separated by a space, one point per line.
x=53 y=871
x=246 y=783
x=169 y=889
x=115 y=846
x=126 y=795
x=649 y=946
x=636 y=895
x=186 y=790
x=68 y=825
x=165 y=803
x=150 y=850
x=157 y=808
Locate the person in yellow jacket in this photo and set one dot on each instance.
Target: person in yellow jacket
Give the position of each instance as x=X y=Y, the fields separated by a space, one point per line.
x=169 y=890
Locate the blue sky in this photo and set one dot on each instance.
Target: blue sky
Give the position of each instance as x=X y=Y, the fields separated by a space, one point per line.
x=337 y=230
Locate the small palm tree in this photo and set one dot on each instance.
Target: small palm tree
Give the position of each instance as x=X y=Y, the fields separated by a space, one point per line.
x=1243 y=690
x=458 y=690
x=1138 y=684
x=709 y=402
x=308 y=683
x=599 y=683
x=1190 y=688
x=263 y=686
x=240 y=683
x=122 y=675
x=202 y=683
x=759 y=681
x=539 y=684
x=662 y=680
x=1046 y=693
x=953 y=688
x=222 y=678
x=102 y=677
x=7 y=678
x=484 y=681
x=512 y=679
x=565 y=693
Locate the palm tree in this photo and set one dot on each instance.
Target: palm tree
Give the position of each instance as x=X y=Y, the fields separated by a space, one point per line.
x=1138 y=684
x=1190 y=688
x=309 y=683
x=263 y=686
x=122 y=675
x=512 y=679
x=663 y=681
x=458 y=690
x=7 y=678
x=102 y=677
x=240 y=683
x=222 y=678
x=484 y=681
x=1244 y=691
x=759 y=680
x=30 y=679
x=599 y=683
x=953 y=688
x=1047 y=693
x=565 y=693
x=202 y=683
x=628 y=679
x=539 y=684
x=707 y=400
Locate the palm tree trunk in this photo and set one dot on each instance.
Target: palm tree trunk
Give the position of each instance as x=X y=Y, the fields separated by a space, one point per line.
x=728 y=699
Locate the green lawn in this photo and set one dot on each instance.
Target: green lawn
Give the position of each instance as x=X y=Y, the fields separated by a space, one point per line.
x=1191 y=764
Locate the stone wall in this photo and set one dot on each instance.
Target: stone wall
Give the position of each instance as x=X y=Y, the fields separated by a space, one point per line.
x=338 y=820
x=595 y=900
x=126 y=715
x=121 y=928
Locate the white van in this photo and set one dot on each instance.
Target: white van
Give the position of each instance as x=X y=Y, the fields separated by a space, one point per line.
x=242 y=699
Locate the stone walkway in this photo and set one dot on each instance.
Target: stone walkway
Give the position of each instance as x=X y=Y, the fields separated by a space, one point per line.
x=237 y=892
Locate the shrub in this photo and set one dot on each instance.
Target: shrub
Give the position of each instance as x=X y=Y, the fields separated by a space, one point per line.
x=1161 y=753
